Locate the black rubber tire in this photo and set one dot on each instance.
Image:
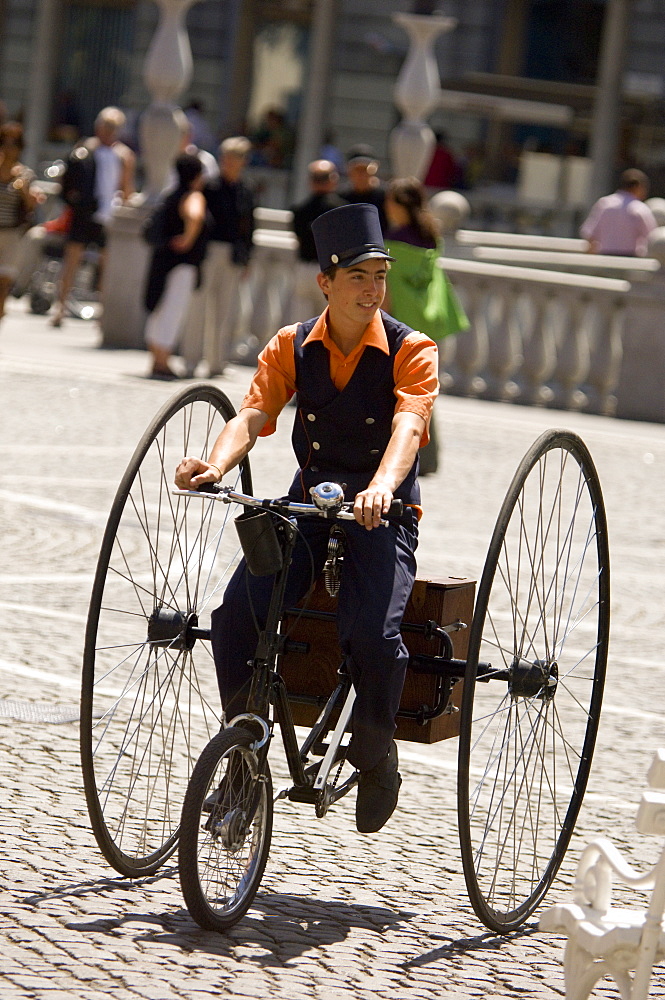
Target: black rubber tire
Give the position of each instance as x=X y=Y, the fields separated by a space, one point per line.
x=147 y=710
x=219 y=879
x=526 y=739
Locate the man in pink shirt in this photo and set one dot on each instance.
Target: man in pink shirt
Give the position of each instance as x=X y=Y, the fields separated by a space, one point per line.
x=620 y=223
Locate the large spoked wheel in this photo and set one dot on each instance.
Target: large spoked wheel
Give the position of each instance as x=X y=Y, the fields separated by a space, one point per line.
x=150 y=700
x=224 y=843
x=534 y=680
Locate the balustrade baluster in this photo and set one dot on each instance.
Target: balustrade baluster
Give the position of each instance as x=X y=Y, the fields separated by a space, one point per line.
x=504 y=342
x=606 y=357
x=539 y=351
x=271 y=285
x=472 y=345
x=573 y=354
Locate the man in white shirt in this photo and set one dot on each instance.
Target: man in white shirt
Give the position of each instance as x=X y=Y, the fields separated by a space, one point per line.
x=620 y=223
x=97 y=170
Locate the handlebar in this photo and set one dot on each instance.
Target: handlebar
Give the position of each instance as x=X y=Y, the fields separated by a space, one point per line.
x=342 y=512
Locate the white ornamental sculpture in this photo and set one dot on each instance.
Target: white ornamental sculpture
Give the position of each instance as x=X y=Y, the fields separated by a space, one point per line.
x=167 y=71
x=417 y=94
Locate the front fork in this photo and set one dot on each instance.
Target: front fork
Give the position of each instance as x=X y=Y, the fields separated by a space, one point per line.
x=270 y=641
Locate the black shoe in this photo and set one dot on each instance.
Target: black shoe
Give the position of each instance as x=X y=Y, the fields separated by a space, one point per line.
x=378 y=790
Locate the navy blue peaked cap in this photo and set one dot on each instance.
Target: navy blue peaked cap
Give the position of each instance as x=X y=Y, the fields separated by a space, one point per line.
x=348 y=235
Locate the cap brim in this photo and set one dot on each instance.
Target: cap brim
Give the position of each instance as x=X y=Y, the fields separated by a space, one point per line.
x=376 y=254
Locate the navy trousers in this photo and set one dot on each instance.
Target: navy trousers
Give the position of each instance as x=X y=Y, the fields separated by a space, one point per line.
x=377 y=577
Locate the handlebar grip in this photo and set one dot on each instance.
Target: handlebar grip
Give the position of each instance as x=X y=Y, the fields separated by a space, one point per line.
x=396 y=509
x=208 y=488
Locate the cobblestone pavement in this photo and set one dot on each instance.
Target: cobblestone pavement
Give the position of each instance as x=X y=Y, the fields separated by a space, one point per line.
x=338 y=915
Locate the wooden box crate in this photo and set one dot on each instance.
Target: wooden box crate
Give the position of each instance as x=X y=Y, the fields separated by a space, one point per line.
x=313 y=675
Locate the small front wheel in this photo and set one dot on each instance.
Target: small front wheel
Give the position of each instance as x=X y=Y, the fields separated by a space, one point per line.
x=225 y=830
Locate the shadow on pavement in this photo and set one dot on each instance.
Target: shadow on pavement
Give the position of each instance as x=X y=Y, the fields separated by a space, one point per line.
x=284 y=925
x=97 y=886
x=460 y=946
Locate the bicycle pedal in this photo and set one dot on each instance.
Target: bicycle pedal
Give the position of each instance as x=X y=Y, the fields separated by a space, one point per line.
x=300 y=793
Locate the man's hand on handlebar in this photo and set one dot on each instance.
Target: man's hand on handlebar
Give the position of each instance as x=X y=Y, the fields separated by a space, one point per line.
x=193 y=472
x=371 y=505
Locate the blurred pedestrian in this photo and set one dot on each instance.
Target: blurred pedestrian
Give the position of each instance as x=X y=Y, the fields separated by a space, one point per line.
x=97 y=170
x=273 y=141
x=308 y=299
x=176 y=262
x=17 y=202
x=419 y=293
x=364 y=185
x=620 y=223
x=188 y=145
x=213 y=310
x=444 y=171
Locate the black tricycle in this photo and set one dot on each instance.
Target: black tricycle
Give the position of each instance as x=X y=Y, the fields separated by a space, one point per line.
x=517 y=678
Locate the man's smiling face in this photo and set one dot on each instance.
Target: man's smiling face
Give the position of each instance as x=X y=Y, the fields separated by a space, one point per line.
x=356 y=292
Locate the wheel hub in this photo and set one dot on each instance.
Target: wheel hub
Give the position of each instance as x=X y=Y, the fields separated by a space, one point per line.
x=538 y=679
x=171 y=629
x=231 y=830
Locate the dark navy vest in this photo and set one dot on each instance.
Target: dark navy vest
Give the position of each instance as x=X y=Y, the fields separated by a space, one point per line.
x=341 y=436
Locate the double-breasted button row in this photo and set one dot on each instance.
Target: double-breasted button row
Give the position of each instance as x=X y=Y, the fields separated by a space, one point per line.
x=368 y=420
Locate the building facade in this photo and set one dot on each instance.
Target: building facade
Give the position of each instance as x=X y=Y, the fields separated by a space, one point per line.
x=62 y=60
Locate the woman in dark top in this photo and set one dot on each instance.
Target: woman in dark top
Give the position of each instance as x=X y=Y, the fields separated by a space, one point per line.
x=175 y=266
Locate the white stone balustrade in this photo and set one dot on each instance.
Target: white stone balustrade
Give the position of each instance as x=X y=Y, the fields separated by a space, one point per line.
x=531 y=336
x=472 y=238
x=270 y=285
x=605 y=940
x=610 y=266
x=537 y=337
